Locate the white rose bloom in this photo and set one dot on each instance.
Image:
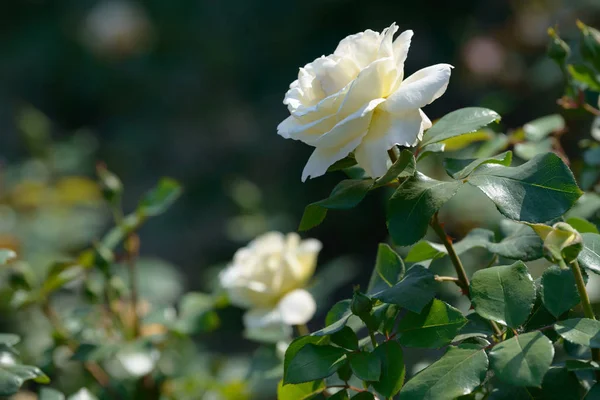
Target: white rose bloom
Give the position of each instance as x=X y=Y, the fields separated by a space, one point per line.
x=268 y=276
x=358 y=100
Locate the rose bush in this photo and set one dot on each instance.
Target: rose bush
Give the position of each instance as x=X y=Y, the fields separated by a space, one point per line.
x=357 y=99
x=268 y=278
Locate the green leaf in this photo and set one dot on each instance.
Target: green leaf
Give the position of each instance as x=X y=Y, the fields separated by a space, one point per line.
x=457 y=373
x=344 y=163
x=559 y=290
x=196 y=314
x=496 y=144
x=303 y=391
x=392 y=369
x=9 y=339
x=511 y=393
x=460 y=168
x=345 y=195
x=13 y=376
x=476 y=326
x=314 y=362
x=593 y=393
x=589 y=257
x=297 y=344
x=434 y=327
x=585 y=76
x=413 y=204
x=582 y=331
x=522 y=360
x=561 y=384
x=345 y=338
x=540 y=128
x=581 y=365
x=404 y=167
x=363 y=396
x=540 y=190
x=365 y=365
x=6 y=256
x=582 y=225
x=459 y=122
x=336 y=318
x=413 y=292
x=505 y=294
x=50 y=394
x=159 y=199
x=528 y=150
x=389 y=265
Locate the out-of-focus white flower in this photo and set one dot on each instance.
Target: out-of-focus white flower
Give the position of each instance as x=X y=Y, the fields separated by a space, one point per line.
x=117 y=28
x=268 y=277
x=357 y=99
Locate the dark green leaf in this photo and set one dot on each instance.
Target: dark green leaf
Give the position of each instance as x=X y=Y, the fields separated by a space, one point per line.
x=303 y=391
x=404 y=167
x=506 y=392
x=457 y=373
x=344 y=163
x=312 y=362
x=458 y=123
x=476 y=326
x=589 y=257
x=298 y=344
x=582 y=331
x=460 y=168
x=13 y=376
x=560 y=384
x=540 y=128
x=345 y=338
x=593 y=393
x=413 y=292
x=365 y=365
x=581 y=365
x=413 y=204
x=363 y=396
x=540 y=190
x=392 y=368
x=389 y=265
x=336 y=318
x=559 y=291
x=522 y=360
x=505 y=294
x=159 y=199
x=434 y=327
x=347 y=194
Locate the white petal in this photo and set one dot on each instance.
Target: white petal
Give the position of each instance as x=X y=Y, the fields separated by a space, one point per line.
x=386 y=48
x=401 y=46
x=322 y=158
x=374 y=82
x=361 y=48
x=293 y=128
x=420 y=89
x=386 y=131
x=261 y=318
x=596 y=128
x=297 y=307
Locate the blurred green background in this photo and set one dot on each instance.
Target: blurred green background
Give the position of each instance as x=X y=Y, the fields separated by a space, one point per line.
x=194 y=90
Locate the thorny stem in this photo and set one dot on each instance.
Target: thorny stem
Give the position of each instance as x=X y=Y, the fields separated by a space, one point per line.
x=463 y=279
x=588 y=311
x=133 y=247
x=93 y=369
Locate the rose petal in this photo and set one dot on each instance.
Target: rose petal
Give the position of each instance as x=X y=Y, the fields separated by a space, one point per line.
x=420 y=89
x=297 y=307
x=401 y=46
x=262 y=318
x=323 y=157
x=361 y=48
x=386 y=131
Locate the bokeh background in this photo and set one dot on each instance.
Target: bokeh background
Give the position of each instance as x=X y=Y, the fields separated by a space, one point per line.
x=193 y=89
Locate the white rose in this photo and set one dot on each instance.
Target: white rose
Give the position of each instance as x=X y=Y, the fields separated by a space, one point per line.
x=358 y=100
x=268 y=276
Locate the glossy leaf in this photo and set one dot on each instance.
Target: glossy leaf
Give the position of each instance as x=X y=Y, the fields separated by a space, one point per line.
x=582 y=225
x=389 y=265
x=345 y=195
x=540 y=128
x=392 y=369
x=159 y=199
x=460 y=168
x=13 y=376
x=559 y=290
x=336 y=318
x=365 y=365
x=459 y=122
x=522 y=360
x=505 y=294
x=413 y=204
x=404 y=167
x=529 y=150
x=457 y=373
x=582 y=331
x=302 y=391
x=540 y=190
x=589 y=258
x=413 y=292
x=434 y=327
x=593 y=393
x=297 y=344
x=345 y=338
x=476 y=326
x=585 y=76
x=561 y=384
x=314 y=362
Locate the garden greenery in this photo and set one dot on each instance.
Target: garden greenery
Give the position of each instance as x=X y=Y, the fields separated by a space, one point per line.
x=521 y=338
